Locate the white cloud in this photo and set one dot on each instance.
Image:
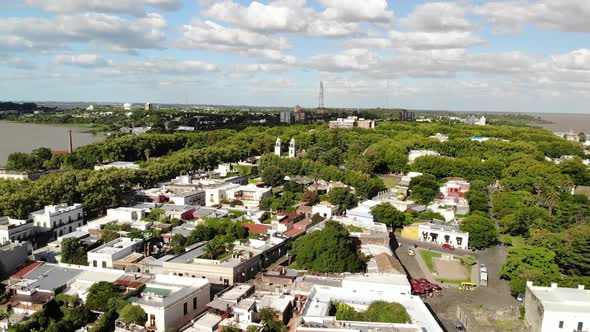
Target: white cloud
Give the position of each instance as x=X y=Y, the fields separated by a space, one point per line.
x=339 y=19
x=158 y=66
x=355 y=10
x=133 y=7
x=564 y=15
x=575 y=60
x=111 y=31
x=438 y=17
x=207 y=35
x=349 y=60
x=82 y=60
x=433 y=40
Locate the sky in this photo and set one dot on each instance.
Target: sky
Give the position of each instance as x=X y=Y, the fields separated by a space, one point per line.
x=472 y=55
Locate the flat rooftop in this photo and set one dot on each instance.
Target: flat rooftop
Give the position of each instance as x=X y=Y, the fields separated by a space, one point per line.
x=563 y=299
x=116 y=245
x=50 y=276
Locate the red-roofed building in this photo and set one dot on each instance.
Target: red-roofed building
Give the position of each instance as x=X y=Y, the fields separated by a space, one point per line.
x=22 y=272
x=257 y=228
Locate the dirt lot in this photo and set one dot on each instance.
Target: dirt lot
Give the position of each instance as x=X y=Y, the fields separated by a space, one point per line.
x=491 y=308
x=449 y=269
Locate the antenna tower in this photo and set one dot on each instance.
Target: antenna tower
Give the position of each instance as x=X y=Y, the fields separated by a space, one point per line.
x=321 y=98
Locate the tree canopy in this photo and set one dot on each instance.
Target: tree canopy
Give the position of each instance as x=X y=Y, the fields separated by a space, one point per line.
x=482 y=230
x=100 y=294
x=328 y=250
x=386 y=213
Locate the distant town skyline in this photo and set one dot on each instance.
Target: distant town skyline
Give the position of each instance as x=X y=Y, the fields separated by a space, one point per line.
x=470 y=55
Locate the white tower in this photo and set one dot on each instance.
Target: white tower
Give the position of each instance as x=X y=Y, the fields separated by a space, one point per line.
x=482 y=121
x=278 y=147
x=292 y=148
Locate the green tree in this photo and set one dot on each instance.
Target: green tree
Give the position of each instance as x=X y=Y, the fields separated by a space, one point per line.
x=73 y=252
x=423 y=188
x=107 y=235
x=178 y=244
x=133 y=314
x=387 y=214
x=529 y=263
x=106 y=322
x=99 y=295
x=482 y=230
x=310 y=197
x=273 y=175
x=230 y=328
x=23 y=162
x=521 y=221
x=269 y=324
x=329 y=250
x=343 y=197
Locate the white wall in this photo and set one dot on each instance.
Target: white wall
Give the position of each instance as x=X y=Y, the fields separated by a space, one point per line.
x=173 y=316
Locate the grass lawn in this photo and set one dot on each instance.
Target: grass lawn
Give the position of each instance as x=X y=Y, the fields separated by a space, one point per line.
x=427 y=256
x=390 y=180
x=354 y=229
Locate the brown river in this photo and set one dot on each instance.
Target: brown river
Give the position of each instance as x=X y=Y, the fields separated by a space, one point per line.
x=25 y=137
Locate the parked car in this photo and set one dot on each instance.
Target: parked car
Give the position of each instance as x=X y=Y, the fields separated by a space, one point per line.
x=483 y=268
x=411 y=252
x=448 y=246
x=520 y=297
x=458 y=326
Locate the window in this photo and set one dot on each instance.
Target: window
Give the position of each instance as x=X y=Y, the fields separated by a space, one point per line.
x=94 y=263
x=560 y=324
x=580 y=326
x=185 y=308
x=194 y=303
x=104 y=265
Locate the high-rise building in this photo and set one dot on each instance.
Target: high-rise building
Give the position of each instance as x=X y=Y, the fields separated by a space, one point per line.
x=149 y=106
x=407 y=116
x=286 y=117
x=127 y=106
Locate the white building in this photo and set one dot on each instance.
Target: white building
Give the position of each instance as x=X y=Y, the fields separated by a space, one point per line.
x=104 y=255
x=352 y=122
x=362 y=213
x=359 y=291
x=215 y=194
x=440 y=233
x=278 y=147
x=414 y=154
x=126 y=214
x=16 y=230
x=127 y=106
x=250 y=195
x=90 y=108
x=406 y=179
x=195 y=197
x=60 y=219
x=440 y=137
x=554 y=309
x=171 y=302
x=292 y=148
x=12 y=256
x=117 y=165
x=325 y=209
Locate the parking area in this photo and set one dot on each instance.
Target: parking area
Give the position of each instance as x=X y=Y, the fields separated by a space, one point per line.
x=492 y=307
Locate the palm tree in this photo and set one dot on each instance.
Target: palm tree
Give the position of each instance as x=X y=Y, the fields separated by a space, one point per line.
x=551 y=199
x=211 y=248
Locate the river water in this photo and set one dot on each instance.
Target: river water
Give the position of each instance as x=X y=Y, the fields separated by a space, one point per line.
x=25 y=137
x=579 y=123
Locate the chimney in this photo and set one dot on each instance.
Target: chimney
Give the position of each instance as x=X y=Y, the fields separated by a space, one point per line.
x=70 y=143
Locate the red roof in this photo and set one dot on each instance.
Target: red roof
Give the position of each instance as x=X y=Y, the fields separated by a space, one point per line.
x=303 y=224
x=22 y=272
x=294 y=232
x=257 y=228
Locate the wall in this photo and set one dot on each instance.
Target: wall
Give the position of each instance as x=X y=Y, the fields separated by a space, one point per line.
x=173 y=317
x=12 y=257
